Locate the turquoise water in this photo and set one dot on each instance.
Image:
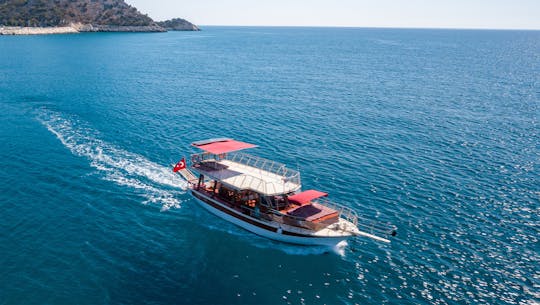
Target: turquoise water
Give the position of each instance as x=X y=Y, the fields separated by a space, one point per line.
x=435 y=131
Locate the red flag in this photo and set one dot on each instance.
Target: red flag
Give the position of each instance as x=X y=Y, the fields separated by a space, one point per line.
x=180 y=165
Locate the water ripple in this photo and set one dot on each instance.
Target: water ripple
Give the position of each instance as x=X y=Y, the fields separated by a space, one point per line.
x=117 y=165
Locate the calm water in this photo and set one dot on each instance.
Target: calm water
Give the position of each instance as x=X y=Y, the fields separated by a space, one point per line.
x=435 y=131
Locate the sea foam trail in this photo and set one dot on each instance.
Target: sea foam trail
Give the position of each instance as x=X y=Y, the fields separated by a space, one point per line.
x=151 y=180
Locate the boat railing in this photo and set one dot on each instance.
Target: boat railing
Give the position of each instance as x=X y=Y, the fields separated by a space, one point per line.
x=290 y=178
x=279 y=169
x=376 y=227
x=256 y=183
x=361 y=222
x=204 y=156
x=344 y=212
x=292 y=220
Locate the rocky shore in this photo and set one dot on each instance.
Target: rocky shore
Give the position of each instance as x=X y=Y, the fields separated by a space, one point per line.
x=36 y=17
x=178 y=24
x=77 y=28
x=18 y=30
x=119 y=28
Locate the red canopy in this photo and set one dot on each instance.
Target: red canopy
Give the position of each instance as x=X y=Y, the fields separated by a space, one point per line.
x=306 y=196
x=221 y=146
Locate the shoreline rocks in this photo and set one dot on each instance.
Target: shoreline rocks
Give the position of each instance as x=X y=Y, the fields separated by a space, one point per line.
x=118 y=28
x=81 y=28
x=36 y=17
x=19 y=30
x=77 y=28
x=178 y=24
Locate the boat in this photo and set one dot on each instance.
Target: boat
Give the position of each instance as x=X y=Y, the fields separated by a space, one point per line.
x=266 y=198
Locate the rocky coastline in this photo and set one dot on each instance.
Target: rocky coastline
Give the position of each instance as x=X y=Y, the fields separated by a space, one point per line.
x=75 y=16
x=119 y=28
x=81 y=28
x=178 y=24
x=19 y=30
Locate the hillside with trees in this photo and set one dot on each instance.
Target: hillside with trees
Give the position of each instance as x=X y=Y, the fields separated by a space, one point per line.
x=178 y=24
x=87 y=15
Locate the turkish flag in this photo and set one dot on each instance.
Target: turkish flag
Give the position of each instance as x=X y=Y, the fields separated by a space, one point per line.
x=180 y=165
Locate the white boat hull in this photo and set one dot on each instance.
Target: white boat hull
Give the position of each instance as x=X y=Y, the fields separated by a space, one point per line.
x=271 y=230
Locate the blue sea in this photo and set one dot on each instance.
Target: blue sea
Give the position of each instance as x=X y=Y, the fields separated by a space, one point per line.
x=434 y=131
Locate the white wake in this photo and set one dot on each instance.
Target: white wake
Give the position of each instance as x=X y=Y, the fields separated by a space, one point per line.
x=154 y=182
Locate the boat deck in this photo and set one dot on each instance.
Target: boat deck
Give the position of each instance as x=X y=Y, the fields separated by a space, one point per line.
x=340 y=228
x=244 y=177
x=314 y=212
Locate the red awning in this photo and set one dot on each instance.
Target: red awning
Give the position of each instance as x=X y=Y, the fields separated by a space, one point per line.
x=306 y=196
x=221 y=146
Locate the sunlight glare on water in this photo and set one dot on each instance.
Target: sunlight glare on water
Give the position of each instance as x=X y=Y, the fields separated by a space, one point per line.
x=434 y=131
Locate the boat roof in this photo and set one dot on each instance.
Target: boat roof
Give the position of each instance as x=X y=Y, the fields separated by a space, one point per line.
x=245 y=177
x=221 y=145
x=306 y=196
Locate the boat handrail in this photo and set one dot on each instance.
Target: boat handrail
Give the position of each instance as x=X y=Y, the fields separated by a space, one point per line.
x=344 y=212
x=257 y=183
x=361 y=222
x=376 y=227
x=204 y=156
x=289 y=175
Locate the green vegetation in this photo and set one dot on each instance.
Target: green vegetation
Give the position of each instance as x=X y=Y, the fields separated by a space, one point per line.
x=46 y=13
x=178 y=24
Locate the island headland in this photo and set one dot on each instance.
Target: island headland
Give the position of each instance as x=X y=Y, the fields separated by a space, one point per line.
x=26 y=17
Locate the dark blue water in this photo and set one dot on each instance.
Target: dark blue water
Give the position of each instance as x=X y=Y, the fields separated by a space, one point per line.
x=435 y=131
